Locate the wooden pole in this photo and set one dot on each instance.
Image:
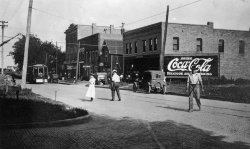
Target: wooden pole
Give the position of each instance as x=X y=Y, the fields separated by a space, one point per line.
x=77 y=60
x=25 y=61
x=164 y=41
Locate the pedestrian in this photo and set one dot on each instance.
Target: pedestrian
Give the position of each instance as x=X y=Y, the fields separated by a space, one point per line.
x=91 y=90
x=194 y=87
x=115 y=84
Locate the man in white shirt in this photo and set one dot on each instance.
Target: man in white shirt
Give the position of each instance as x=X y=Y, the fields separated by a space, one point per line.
x=194 y=82
x=115 y=84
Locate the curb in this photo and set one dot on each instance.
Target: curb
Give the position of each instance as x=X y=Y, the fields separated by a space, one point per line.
x=59 y=123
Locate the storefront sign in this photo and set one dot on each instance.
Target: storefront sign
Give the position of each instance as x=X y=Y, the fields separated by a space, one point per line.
x=180 y=66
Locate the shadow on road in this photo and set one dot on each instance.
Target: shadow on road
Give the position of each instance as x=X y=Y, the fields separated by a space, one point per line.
x=106 y=132
x=85 y=100
x=173 y=108
x=104 y=98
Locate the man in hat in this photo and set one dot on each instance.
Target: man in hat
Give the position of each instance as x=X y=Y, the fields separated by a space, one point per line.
x=194 y=82
x=115 y=84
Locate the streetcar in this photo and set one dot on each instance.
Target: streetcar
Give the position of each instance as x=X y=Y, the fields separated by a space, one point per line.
x=37 y=73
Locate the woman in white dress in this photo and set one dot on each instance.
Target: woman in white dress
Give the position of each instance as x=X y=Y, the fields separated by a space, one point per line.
x=91 y=90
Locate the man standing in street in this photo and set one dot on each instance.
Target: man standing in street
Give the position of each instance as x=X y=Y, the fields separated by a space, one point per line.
x=115 y=84
x=194 y=82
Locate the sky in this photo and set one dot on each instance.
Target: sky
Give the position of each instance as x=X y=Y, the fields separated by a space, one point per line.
x=50 y=18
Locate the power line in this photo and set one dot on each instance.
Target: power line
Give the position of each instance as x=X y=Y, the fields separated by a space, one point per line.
x=45 y=12
x=163 y=12
x=3 y=15
x=16 y=9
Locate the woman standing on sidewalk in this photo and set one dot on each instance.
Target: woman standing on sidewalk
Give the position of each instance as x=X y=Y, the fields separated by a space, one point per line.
x=91 y=90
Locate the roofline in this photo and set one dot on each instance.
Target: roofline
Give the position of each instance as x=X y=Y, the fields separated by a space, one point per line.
x=204 y=25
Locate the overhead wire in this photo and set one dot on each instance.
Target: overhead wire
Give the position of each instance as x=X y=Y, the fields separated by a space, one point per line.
x=48 y=13
x=45 y=12
x=163 y=12
x=4 y=12
x=16 y=9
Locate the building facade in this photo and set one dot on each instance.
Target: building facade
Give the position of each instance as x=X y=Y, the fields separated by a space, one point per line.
x=142 y=47
x=74 y=34
x=101 y=53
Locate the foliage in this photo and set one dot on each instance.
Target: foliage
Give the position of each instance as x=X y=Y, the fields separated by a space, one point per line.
x=39 y=53
x=35 y=109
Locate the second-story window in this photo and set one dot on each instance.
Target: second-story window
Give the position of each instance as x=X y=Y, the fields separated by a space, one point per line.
x=130 y=48
x=176 y=43
x=221 y=46
x=150 y=44
x=126 y=48
x=135 y=47
x=199 y=44
x=241 y=47
x=144 y=45
x=155 y=44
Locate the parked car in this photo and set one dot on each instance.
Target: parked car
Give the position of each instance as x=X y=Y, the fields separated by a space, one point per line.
x=102 y=78
x=53 y=78
x=151 y=80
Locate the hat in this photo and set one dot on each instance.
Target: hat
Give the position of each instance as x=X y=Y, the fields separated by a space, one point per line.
x=114 y=71
x=91 y=74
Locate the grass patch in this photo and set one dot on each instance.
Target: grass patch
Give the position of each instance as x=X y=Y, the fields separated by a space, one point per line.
x=232 y=93
x=33 y=108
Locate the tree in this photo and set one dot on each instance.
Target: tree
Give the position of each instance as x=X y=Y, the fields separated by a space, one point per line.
x=39 y=53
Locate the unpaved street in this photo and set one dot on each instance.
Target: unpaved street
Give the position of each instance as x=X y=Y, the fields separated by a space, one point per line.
x=230 y=120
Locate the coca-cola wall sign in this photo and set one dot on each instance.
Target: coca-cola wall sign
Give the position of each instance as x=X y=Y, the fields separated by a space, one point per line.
x=180 y=66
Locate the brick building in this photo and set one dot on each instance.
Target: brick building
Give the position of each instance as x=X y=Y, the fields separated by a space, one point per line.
x=74 y=33
x=101 y=53
x=142 y=47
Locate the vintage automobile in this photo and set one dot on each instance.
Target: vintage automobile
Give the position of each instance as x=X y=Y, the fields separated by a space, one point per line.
x=151 y=80
x=102 y=78
x=53 y=78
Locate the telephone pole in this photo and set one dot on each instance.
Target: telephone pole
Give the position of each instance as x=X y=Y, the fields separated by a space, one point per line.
x=164 y=41
x=3 y=26
x=56 y=57
x=26 y=48
x=77 y=61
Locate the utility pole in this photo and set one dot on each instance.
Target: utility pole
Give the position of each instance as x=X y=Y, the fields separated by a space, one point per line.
x=3 y=26
x=164 y=41
x=56 y=57
x=77 y=61
x=26 y=49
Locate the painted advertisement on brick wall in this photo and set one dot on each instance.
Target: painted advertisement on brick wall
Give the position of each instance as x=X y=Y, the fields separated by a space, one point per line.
x=179 y=66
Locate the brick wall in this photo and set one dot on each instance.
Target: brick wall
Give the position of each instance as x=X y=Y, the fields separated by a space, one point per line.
x=232 y=64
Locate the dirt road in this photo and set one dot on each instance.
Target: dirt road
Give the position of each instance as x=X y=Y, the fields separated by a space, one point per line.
x=230 y=120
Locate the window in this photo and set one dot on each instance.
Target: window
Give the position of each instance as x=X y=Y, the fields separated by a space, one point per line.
x=135 y=47
x=241 y=47
x=150 y=44
x=130 y=48
x=155 y=44
x=221 y=45
x=144 y=44
x=199 y=44
x=176 y=43
x=126 y=48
